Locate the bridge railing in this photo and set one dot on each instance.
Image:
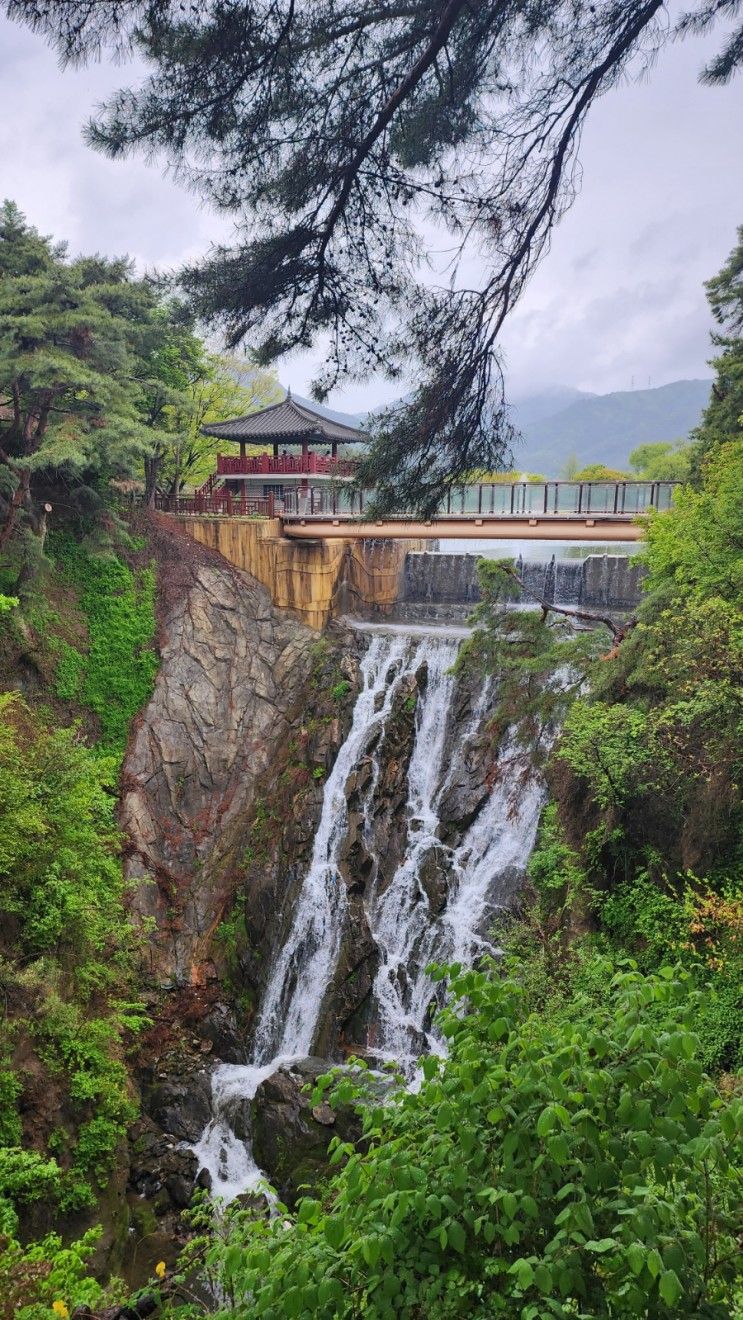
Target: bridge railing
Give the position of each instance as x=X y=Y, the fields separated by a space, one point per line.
x=507 y=499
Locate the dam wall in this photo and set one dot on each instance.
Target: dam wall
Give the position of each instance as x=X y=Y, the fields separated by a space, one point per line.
x=316 y=580
x=321 y=579
x=610 y=582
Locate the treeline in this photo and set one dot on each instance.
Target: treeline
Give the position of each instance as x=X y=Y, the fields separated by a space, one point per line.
x=104 y=388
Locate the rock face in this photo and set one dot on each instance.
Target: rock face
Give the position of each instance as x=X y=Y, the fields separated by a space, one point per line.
x=290 y=1136
x=231 y=675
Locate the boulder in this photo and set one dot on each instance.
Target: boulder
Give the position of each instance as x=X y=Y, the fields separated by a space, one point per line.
x=290 y=1135
x=180 y=1106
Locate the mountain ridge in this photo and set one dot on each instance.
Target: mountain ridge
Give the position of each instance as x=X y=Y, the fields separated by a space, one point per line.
x=605 y=428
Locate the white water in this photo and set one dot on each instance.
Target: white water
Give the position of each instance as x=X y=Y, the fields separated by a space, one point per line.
x=407 y=932
x=304 y=967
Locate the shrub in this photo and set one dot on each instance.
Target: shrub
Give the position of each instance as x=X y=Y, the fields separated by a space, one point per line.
x=546 y=1168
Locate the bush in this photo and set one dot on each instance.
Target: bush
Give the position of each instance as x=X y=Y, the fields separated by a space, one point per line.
x=68 y=947
x=546 y=1168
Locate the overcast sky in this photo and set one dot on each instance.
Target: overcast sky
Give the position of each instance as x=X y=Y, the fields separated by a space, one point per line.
x=617 y=303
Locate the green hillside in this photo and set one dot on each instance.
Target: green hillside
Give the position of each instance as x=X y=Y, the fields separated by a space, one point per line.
x=603 y=428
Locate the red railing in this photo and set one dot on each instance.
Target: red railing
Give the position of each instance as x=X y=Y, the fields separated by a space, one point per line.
x=224 y=504
x=286 y=465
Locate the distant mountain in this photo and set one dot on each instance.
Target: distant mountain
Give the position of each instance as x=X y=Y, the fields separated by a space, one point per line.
x=604 y=428
x=348 y=419
x=535 y=407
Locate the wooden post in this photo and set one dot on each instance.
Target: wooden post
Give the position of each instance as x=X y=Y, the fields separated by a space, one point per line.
x=242 y=449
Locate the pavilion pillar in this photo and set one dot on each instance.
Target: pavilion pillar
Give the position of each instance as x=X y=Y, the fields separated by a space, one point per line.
x=305 y=455
x=334 y=449
x=275 y=448
x=242 y=449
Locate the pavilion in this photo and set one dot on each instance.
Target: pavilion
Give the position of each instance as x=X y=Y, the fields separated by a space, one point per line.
x=304 y=444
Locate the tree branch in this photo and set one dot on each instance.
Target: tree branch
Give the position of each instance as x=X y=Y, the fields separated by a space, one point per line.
x=617 y=630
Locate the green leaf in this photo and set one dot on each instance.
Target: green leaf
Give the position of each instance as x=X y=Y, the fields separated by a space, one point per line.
x=543 y=1279
x=654 y=1263
x=308 y=1210
x=330 y=1290
x=670 y=1287
x=547 y=1121
x=636 y=1257
x=457 y=1236
x=601 y=1245
x=524 y=1272
x=370 y=1250
x=335 y=1231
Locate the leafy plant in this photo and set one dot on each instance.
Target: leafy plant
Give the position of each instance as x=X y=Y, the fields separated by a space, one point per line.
x=580 y=1167
x=115 y=677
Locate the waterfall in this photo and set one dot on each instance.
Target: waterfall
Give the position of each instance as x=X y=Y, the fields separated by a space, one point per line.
x=304 y=967
x=408 y=934
x=475 y=875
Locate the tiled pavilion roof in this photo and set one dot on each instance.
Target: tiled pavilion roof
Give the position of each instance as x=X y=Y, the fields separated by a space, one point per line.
x=287 y=421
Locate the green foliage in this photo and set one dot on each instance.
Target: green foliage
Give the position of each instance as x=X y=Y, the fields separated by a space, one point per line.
x=598 y=472
x=539 y=660
x=722 y=419
x=58 y=841
x=115 y=677
x=11 y=1130
x=662 y=461
x=609 y=745
x=62 y=906
x=24 y=1176
x=47 y=1280
x=75 y=339
x=582 y=1167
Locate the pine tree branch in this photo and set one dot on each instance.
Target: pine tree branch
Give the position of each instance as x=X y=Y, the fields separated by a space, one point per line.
x=452 y=10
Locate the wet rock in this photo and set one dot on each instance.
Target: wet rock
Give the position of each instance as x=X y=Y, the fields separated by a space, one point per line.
x=433 y=875
x=290 y=1137
x=220 y=1035
x=161 y=1170
x=231 y=674
x=180 y=1106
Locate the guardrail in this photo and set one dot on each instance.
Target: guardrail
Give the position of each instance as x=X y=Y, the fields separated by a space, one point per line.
x=223 y=504
x=620 y=500
x=285 y=465
x=517 y=499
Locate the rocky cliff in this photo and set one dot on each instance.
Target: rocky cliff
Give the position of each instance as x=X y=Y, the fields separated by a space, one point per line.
x=232 y=673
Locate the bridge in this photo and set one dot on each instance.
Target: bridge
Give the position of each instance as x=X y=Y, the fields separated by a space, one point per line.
x=319 y=554
x=518 y=510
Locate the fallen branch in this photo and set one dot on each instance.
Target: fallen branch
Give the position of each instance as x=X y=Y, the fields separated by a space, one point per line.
x=618 y=630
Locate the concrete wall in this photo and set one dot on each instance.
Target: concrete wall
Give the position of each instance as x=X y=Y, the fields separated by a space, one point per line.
x=596 y=582
x=314 y=579
x=320 y=579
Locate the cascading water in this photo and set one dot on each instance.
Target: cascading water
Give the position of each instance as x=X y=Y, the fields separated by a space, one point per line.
x=407 y=932
x=406 y=929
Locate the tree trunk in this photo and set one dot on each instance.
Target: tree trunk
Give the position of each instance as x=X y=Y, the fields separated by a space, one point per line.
x=151 y=471
x=21 y=499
